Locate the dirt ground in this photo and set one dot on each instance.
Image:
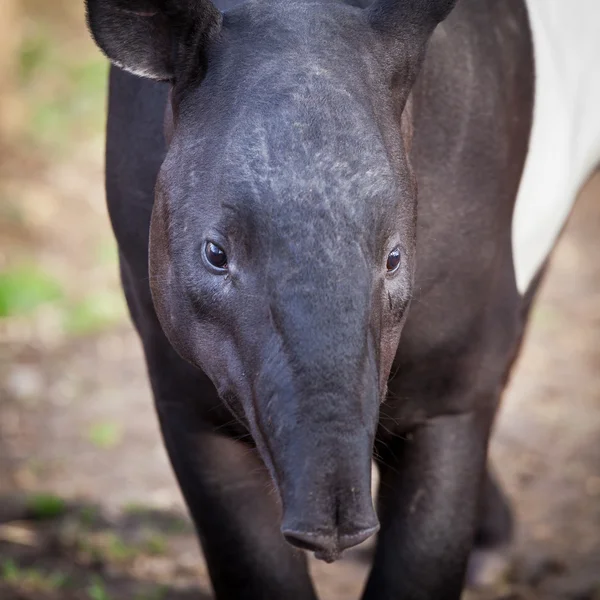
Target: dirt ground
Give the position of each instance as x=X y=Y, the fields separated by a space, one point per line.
x=76 y=421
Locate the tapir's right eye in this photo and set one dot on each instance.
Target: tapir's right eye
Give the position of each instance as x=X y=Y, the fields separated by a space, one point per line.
x=216 y=257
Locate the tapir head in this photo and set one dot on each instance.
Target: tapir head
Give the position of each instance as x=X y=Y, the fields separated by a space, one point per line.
x=283 y=231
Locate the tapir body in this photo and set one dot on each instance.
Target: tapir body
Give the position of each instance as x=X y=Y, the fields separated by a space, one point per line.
x=332 y=219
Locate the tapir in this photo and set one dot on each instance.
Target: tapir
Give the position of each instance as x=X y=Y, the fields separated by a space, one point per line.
x=332 y=218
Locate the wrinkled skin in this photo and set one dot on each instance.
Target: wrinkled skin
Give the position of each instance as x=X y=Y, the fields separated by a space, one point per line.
x=290 y=148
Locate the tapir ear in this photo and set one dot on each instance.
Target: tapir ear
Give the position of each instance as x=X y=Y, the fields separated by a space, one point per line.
x=153 y=38
x=415 y=15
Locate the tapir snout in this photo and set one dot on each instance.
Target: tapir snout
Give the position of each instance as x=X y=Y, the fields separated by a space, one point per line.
x=317 y=401
x=327 y=494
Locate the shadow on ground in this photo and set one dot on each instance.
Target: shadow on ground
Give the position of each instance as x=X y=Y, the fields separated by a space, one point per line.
x=52 y=550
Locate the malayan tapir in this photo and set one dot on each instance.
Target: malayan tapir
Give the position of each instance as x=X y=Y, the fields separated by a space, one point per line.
x=332 y=219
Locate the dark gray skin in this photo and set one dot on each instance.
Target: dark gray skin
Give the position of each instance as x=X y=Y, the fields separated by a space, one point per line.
x=308 y=141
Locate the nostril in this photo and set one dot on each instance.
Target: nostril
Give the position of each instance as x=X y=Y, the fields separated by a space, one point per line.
x=305 y=541
x=324 y=546
x=327 y=547
x=354 y=539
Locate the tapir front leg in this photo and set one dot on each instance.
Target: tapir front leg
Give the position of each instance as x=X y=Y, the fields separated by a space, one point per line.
x=428 y=501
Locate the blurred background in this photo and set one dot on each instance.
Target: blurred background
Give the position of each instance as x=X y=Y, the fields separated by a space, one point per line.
x=89 y=508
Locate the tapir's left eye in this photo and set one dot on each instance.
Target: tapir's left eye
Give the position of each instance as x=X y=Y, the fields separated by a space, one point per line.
x=393 y=260
x=215 y=256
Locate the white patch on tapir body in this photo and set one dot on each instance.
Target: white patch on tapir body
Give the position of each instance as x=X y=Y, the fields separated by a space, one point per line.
x=565 y=139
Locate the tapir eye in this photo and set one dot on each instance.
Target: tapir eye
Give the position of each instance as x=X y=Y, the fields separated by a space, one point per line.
x=215 y=255
x=393 y=260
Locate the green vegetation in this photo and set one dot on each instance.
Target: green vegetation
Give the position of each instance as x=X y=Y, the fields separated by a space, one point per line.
x=172 y=524
x=33 y=56
x=94 y=313
x=64 y=93
x=107 y=252
x=544 y=316
x=156 y=594
x=46 y=506
x=89 y=516
x=117 y=550
x=24 y=288
x=105 y=547
x=155 y=544
x=105 y=435
x=11 y=213
x=136 y=509
x=31 y=579
x=109 y=547
x=97 y=591
x=60 y=92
